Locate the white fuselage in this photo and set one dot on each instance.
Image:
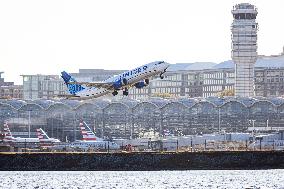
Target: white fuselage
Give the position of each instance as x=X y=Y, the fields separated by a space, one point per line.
x=132 y=77
x=94 y=144
x=50 y=140
x=31 y=140
x=22 y=140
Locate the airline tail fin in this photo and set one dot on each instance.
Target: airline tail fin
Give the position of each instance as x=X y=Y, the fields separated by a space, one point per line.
x=72 y=88
x=8 y=135
x=87 y=133
x=41 y=135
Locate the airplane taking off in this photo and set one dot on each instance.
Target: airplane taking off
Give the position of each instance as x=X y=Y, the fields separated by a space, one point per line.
x=138 y=77
x=90 y=140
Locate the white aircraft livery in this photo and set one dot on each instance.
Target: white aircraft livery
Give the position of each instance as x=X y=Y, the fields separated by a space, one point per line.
x=138 y=77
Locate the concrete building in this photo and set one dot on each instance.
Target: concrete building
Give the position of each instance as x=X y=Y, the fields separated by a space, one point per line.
x=9 y=90
x=268 y=76
x=244 y=47
x=42 y=86
x=217 y=80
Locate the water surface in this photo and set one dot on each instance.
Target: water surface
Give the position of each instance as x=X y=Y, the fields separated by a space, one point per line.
x=144 y=179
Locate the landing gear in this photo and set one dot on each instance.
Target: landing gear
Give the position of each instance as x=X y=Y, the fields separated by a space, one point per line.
x=147 y=81
x=125 y=92
x=114 y=93
x=161 y=75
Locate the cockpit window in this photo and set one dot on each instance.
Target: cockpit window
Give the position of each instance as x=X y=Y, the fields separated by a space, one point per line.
x=160 y=62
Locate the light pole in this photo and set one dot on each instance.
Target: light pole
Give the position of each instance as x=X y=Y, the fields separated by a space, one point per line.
x=132 y=125
x=161 y=124
x=253 y=134
x=219 y=119
x=267 y=121
x=29 y=124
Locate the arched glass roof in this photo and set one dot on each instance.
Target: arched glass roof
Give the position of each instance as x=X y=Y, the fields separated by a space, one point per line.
x=217 y=101
x=188 y=102
x=100 y=103
x=278 y=101
x=160 y=102
x=31 y=107
x=17 y=104
x=71 y=103
x=247 y=101
x=44 y=103
x=130 y=103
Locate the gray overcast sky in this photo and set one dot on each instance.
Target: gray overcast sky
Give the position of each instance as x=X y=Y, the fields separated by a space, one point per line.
x=46 y=37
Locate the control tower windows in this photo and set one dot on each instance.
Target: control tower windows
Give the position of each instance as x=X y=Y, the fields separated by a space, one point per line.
x=248 y=16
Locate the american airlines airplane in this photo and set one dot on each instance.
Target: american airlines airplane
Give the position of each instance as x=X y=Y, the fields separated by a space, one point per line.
x=43 y=138
x=90 y=140
x=138 y=77
x=9 y=138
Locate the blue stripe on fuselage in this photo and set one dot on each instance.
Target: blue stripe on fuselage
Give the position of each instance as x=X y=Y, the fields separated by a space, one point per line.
x=133 y=72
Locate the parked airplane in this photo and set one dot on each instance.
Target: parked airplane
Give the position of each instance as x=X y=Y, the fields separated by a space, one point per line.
x=43 y=137
x=9 y=138
x=90 y=140
x=138 y=77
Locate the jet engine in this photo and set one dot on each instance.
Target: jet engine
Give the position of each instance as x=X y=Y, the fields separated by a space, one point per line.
x=117 y=85
x=140 y=84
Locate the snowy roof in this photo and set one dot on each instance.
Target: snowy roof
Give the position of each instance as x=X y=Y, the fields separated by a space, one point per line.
x=225 y=64
x=191 y=66
x=262 y=61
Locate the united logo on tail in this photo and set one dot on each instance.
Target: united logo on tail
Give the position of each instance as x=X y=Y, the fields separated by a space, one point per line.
x=73 y=88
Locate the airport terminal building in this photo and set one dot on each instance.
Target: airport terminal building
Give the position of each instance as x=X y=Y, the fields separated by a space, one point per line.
x=128 y=118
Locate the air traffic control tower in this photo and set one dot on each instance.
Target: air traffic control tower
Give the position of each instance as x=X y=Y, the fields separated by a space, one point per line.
x=244 y=48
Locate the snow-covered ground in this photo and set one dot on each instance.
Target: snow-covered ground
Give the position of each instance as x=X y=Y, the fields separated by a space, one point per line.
x=144 y=179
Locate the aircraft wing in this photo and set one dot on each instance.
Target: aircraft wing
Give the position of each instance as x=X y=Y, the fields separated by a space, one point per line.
x=73 y=97
x=66 y=95
x=94 y=84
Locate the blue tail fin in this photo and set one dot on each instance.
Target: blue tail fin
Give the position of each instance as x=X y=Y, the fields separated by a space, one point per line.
x=73 y=88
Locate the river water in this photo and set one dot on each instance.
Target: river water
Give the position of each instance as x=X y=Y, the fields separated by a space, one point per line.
x=144 y=179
